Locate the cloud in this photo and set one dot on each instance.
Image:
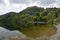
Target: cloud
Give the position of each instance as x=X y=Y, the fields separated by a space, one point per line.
x=6 y=7
x=46 y=2
x=1 y=1
x=20 y=1
x=18 y=5
x=42 y=3
x=15 y=7
x=27 y=2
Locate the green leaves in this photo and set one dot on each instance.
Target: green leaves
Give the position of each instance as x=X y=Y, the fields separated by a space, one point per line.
x=25 y=19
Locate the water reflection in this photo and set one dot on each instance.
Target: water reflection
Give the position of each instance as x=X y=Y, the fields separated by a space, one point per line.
x=16 y=35
x=4 y=33
x=53 y=37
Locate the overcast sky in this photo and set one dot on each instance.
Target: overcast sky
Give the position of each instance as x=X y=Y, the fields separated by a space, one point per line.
x=18 y=5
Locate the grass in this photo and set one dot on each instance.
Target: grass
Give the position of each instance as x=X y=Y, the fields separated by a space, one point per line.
x=58 y=20
x=38 y=31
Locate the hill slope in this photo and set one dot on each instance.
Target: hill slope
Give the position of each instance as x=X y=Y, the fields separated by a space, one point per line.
x=25 y=18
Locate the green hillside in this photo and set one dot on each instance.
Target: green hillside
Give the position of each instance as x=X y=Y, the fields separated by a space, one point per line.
x=31 y=16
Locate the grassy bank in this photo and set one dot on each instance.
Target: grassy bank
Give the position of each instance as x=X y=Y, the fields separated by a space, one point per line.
x=58 y=20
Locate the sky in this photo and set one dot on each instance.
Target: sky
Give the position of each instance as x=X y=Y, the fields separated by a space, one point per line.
x=19 y=5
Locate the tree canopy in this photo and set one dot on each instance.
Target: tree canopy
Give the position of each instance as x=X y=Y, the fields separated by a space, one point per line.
x=25 y=18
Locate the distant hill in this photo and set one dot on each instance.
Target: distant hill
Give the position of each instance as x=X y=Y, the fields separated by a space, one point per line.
x=25 y=18
x=32 y=10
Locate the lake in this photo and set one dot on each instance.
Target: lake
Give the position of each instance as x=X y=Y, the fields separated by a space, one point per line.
x=47 y=33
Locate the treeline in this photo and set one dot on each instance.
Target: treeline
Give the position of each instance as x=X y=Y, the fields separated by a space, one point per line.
x=27 y=17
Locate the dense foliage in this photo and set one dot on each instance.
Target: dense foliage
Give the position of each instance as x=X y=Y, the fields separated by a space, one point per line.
x=27 y=17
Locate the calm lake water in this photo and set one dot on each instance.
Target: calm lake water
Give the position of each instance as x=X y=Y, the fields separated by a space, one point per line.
x=16 y=35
